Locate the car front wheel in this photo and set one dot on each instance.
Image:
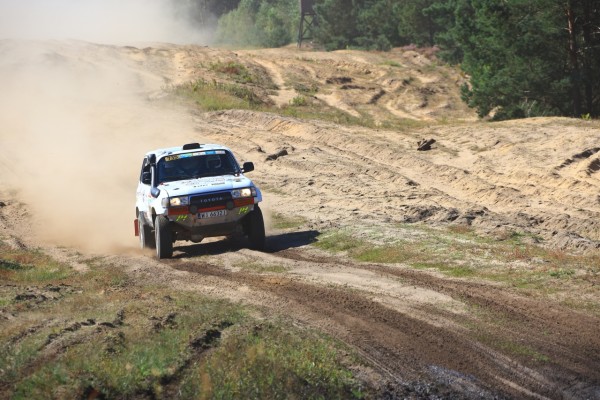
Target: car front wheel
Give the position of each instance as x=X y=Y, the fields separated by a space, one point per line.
x=256 y=229
x=164 y=238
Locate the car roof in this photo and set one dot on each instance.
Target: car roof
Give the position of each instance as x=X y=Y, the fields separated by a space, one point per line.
x=180 y=150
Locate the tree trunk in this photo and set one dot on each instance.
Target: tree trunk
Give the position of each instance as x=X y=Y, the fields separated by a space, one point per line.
x=574 y=59
x=588 y=58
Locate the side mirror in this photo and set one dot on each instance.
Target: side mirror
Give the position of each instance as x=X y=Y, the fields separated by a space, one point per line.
x=248 y=166
x=146 y=178
x=155 y=192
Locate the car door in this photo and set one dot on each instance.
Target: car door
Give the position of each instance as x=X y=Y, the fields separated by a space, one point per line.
x=143 y=190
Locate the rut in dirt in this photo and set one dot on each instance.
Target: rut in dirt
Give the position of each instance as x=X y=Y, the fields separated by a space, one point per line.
x=491 y=358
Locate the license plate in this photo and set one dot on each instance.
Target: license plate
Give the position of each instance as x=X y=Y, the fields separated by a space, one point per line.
x=212 y=214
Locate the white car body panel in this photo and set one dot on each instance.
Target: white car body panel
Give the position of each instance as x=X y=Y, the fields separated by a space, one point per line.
x=209 y=194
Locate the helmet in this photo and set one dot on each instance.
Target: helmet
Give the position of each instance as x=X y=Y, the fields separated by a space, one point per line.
x=213 y=162
x=188 y=163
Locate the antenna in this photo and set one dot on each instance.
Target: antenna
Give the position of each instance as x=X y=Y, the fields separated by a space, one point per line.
x=308 y=19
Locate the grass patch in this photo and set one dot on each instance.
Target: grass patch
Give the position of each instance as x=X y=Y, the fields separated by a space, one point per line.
x=457 y=271
x=523 y=351
x=573 y=279
x=299 y=101
x=282 y=221
x=235 y=70
x=387 y=254
x=215 y=96
x=157 y=348
x=392 y=63
x=128 y=358
x=30 y=266
x=461 y=229
x=561 y=273
x=271 y=362
x=109 y=337
x=338 y=241
x=485 y=335
x=308 y=90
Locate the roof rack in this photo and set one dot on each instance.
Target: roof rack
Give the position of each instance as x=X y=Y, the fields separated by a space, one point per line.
x=190 y=146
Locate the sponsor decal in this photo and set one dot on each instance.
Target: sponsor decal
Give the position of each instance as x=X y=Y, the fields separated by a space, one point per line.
x=198 y=153
x=243 y=210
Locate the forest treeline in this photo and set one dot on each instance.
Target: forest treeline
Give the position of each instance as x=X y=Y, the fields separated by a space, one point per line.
x=525 y=58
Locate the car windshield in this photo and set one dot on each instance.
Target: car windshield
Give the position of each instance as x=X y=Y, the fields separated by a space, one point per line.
x=196 y=165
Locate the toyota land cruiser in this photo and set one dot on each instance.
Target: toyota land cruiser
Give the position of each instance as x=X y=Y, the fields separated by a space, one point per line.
x=192 y=192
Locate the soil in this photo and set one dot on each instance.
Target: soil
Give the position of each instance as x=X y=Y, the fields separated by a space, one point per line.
x=422 y=334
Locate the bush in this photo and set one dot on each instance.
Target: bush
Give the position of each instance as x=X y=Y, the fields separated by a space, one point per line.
x=262 y=23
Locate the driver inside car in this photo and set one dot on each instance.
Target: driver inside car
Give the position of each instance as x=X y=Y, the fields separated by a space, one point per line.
x=189 y=166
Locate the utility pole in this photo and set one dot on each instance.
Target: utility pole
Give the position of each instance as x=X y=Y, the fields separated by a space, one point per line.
x=308 y=19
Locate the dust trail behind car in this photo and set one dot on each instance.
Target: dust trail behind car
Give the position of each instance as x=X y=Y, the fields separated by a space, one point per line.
x=74 y=117
x=74 y=121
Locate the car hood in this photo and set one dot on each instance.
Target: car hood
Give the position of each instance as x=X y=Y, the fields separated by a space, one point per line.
x=205 y=185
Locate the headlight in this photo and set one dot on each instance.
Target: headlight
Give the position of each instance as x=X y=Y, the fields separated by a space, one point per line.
x=179 y=201
x=245 y=192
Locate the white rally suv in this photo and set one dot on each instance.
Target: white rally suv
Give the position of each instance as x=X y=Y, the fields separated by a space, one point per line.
x=192 y=192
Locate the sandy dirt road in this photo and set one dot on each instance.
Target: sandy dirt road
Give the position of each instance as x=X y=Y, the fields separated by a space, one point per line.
x=422 y=333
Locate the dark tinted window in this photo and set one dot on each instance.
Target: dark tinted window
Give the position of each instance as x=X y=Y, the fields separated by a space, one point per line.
x=196 y=165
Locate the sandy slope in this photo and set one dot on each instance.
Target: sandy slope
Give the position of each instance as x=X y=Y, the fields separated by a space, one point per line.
x=77 y=117
x=503 y=177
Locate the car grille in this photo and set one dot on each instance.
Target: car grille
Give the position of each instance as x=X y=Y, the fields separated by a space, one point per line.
x=211 y=200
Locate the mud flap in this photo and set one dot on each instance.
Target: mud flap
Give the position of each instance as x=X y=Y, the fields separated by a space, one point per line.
x=136 y=227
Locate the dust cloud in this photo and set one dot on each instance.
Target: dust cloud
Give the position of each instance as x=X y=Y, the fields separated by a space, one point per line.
x=76 y=118
x=105 y=21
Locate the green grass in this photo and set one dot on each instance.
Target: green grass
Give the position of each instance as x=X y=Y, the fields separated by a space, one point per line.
x=561 y=273
x=107 y=336
x=235 y=70
x=245 y=360
x=129 y=359
x=216 y=96
x=30 y=266
x=459 y=252
x=281 y=221
x=269 y=362
x=299 y=101
x=523 y=351
x=483 y=330
x=392 y=63
x=309 y=90
x=338 y=241
x=456 y=271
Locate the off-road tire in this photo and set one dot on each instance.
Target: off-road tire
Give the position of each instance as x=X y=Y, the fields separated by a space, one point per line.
x=147 y=240
x=164 y=237
x=255 y=229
